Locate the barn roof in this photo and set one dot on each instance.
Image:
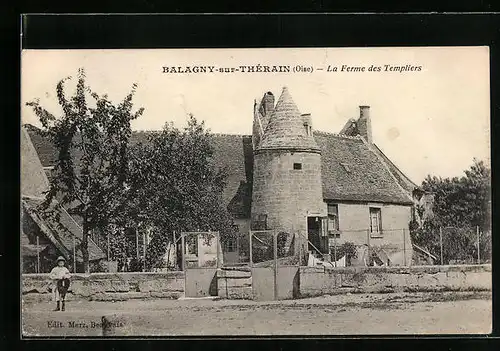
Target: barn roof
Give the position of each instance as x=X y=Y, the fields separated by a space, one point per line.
x=60 y=228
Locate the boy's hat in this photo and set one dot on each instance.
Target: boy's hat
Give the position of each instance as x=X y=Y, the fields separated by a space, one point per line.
x=61 y=258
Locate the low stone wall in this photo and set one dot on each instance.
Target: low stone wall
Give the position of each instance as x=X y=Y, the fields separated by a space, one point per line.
x=316 y=281
x=108 y=286
x=236 y=283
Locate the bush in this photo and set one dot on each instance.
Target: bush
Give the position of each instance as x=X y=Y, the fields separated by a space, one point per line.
x=347 y=249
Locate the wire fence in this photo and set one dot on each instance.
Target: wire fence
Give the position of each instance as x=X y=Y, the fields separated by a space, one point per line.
x=362 y=247
x=368 y=247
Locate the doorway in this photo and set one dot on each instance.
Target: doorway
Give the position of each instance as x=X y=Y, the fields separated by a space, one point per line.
x=313 y=233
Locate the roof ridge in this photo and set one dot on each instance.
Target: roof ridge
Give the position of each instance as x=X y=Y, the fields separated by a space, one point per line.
x=356 y=137
x=145 y=131
x=231 y=134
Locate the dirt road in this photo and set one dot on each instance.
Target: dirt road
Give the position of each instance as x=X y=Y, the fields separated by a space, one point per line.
x=419 y=313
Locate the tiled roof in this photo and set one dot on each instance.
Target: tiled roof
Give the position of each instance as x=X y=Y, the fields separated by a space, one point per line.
x=351 y=170
x=235 y=154
x=64 y=232
x=285 y=129
x=402 y=179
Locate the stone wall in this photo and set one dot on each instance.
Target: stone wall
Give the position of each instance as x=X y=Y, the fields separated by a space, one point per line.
x=108 y=286
x=236 y=283
x=315 y=281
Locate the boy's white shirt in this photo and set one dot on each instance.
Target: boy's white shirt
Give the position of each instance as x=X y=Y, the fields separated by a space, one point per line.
x=59 y=273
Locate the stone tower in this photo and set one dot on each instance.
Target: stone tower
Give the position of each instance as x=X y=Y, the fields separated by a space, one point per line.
x=287 y=170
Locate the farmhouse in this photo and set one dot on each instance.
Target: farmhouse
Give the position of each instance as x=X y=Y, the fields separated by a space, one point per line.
x=332 y=188
x=337 y=188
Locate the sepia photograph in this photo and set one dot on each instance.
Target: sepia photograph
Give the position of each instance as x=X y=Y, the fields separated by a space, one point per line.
x=255 y=192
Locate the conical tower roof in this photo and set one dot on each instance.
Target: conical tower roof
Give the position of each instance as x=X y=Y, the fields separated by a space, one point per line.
x=285 y=130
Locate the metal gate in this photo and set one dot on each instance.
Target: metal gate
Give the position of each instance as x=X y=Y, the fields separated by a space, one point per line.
x=200 y=261
x=274 y=261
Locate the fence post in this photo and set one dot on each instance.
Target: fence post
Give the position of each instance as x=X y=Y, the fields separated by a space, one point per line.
x=108 y=245
x=299 y=239
x=478 y=254
x=441 y=243
x=176 y=264
x=368 y=242
x=250 y=249
x=37 y=254
x=275 y=244
x=335 y=248
x=74 y=254
x=238 y=246
x=217 y=244
x=144 y=250
x=137 y=243
x=182 y=251
x=404 y=247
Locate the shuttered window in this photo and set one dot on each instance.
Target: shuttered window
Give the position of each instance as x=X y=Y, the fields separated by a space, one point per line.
x=375 y=221
x=333 y=220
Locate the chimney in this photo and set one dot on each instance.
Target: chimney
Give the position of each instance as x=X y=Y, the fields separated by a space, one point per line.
x=365 y=123
x=268 y=103
x=306 y=119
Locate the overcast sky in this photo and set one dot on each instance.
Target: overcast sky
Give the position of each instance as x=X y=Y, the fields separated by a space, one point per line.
x=433 y=121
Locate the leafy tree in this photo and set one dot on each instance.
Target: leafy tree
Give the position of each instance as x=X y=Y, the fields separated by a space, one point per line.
x=460 y=204
x=92 y=161
x=462 y=201
x=175 y=186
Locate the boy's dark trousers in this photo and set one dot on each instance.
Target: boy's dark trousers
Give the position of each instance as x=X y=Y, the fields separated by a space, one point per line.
x=62 y=287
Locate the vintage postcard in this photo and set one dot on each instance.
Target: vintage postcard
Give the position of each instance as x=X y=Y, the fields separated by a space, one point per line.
x=242 y=192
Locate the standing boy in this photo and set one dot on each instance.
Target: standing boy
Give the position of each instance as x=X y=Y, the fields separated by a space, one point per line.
x=60 y=277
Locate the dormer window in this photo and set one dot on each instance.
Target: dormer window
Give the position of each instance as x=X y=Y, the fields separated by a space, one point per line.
x=346 y=167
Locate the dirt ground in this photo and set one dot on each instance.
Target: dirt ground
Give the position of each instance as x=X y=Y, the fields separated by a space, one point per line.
x=403 y=313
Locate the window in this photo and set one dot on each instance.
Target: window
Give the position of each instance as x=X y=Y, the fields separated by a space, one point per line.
x=259 y=222
x=230 y=245
x=192 y=245
x=297 y=166
x=333 y=219
x=375 y=221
